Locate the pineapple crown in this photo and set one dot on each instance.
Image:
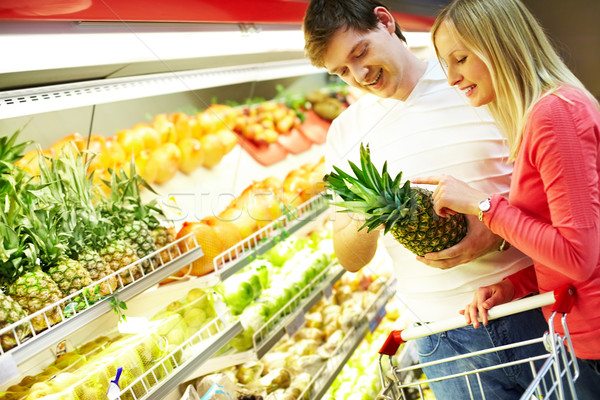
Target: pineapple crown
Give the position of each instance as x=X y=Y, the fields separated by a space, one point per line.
x=17 y=253
x=376 y=196
x=125 y=202
x=70 y=192
x=44 y=228
x=11 y=152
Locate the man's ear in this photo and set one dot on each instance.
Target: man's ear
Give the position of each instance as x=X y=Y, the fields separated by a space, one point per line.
x=386 y=18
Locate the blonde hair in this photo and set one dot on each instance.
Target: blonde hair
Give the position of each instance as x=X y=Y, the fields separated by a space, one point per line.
x=523 y=64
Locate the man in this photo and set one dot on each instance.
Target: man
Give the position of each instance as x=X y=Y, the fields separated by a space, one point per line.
x=414 y=120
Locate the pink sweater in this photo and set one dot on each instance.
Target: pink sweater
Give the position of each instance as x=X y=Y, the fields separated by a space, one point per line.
x=553 y=214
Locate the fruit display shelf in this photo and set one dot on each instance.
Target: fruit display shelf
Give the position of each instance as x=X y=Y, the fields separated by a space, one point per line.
x=287 y=320
x=267 y=237
x=291 y=317
x=370 y=319
x=86 y=305
x=176 y=366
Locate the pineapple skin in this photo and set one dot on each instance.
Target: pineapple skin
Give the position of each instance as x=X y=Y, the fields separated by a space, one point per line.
x=33 y=291
x=137 y=235
x=98 y=269
x=11 y=312
x=117 y=255
x=425 y=231
x=70 y=276
x=163 y=236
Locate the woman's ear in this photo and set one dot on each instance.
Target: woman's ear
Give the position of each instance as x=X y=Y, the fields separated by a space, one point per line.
x=386 y=18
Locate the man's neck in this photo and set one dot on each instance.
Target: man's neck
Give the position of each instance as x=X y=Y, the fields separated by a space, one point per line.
x=415 y=70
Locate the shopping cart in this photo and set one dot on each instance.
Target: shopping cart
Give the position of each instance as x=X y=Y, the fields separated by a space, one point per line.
x=554 y=373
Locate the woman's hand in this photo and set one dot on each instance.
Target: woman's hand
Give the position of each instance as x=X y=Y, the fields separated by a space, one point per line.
x=485 y=298
x=452 y=195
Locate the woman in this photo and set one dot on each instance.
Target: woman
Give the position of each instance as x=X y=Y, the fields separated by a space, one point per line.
x=497 y=54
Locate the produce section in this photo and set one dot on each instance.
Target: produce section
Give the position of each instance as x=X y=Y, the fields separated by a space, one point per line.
x=307 y=359
x=244 y=238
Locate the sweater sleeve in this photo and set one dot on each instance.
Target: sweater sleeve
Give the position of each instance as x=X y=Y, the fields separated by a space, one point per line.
x=524 y=282
x=562 y=145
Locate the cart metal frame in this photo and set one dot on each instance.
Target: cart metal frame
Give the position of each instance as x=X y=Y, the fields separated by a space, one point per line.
x=554 y=379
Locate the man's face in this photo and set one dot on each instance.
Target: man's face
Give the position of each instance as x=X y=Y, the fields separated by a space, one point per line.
x=367 y=60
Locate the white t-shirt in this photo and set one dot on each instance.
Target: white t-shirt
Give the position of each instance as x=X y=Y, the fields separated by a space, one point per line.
x=435 y=131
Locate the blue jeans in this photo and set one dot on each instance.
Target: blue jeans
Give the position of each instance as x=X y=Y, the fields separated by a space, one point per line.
x=498 y=384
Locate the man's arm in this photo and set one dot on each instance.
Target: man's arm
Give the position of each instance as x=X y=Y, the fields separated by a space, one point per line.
x=354 y=249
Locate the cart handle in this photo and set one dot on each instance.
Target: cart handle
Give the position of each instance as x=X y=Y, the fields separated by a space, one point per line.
x=562 y=298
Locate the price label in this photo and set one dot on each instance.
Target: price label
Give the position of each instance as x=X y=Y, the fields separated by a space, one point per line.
x=61 y=348
x=8 y=368
x=376 y=320
x=327 y=291
x=297 y=323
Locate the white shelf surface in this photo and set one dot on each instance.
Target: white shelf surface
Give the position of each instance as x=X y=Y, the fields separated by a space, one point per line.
x=18 y=103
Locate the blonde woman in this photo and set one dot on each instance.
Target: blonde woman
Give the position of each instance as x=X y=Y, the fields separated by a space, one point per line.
x=498 y=55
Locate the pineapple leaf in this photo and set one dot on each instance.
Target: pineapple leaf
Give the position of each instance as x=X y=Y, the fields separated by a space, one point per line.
x=370 y=175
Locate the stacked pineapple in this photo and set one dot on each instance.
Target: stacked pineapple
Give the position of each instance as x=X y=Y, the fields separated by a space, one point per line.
x=60 y=234
x=25 y=287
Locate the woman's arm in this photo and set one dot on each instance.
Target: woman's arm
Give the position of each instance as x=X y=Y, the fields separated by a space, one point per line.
x=564 y=150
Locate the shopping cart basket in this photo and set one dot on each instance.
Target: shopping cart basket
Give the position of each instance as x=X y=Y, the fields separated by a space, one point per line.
x=552 y=380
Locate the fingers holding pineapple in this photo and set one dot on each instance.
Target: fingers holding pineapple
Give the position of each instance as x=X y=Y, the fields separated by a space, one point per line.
x=453 y=195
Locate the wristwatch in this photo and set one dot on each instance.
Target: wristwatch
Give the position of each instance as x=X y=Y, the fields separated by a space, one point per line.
x=484 y=206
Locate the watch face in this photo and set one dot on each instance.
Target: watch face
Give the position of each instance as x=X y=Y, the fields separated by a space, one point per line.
x=485 y=205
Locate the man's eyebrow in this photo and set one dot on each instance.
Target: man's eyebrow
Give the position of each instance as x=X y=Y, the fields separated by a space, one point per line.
x=335 y=70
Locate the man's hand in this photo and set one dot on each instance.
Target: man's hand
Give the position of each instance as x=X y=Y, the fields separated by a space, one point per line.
x=485 y=298
x=478 y=241
x=354 y=249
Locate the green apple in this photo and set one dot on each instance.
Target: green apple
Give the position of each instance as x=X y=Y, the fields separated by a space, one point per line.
x=195 y=317
x=176 y=336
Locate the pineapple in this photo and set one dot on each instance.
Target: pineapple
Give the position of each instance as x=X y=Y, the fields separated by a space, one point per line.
x=71 y=190
x=136 y=220
x=405 y=211
x=98 y=269
x=117 y=254
x=30 y=287
x=11 y=312
x=45 y=231
x=26 y=288
x=34 y=290
x=137 y=234
x=163 y=236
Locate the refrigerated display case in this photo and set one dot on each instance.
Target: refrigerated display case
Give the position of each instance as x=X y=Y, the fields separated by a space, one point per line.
x=98 y=68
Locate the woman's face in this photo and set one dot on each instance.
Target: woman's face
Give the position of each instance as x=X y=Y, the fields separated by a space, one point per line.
x=465 y=69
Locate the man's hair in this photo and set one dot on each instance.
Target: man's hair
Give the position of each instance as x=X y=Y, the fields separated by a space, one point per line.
x=522 y=62
x=324 y=17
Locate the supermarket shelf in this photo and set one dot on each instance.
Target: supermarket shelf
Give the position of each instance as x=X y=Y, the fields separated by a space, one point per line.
x=368 y=321
x=140 y=281
x=17 y=103
x=285 y=321
x=291 y=317
x=266 y=238
x=193 y=352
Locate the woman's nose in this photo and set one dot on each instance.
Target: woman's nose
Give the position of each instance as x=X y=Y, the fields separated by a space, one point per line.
x=453 y=77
